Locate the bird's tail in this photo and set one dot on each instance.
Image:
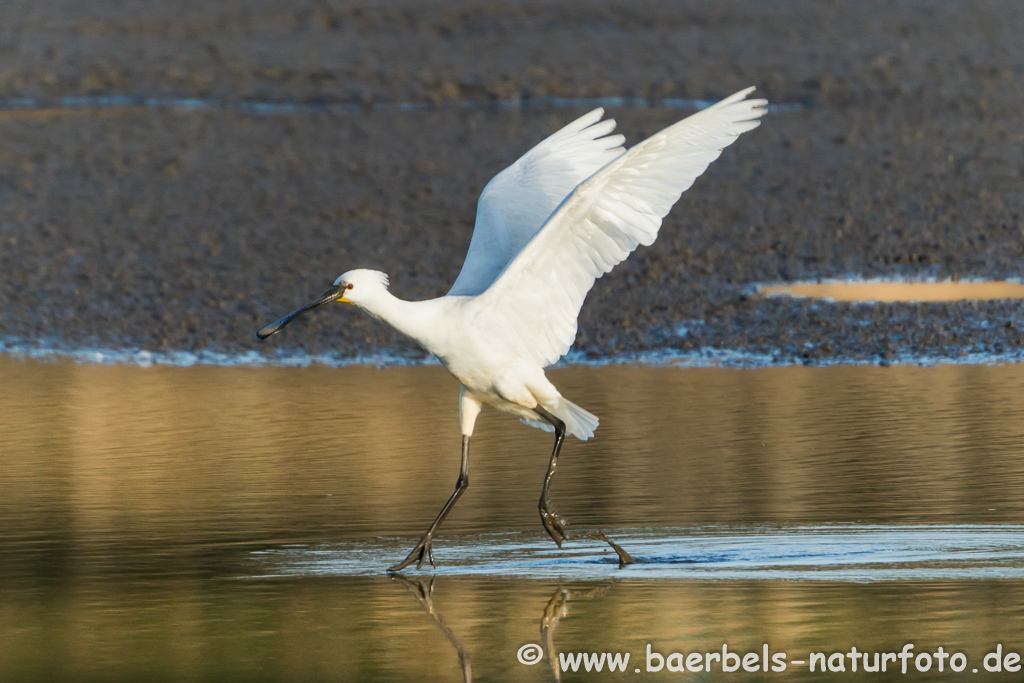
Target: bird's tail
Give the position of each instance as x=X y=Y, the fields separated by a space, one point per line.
x=578 y=421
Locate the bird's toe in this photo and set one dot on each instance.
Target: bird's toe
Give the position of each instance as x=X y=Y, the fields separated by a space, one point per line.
x=424 y=550
x=553 y=523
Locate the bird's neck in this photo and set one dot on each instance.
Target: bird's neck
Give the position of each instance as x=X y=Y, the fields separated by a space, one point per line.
x=418 y=320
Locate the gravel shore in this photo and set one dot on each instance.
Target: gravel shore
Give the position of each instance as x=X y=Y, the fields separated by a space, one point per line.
x=177 y=228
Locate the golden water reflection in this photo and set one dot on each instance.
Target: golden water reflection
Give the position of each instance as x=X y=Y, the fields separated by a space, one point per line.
x=131 y=499
x=882 y=291
x=373 y=629
x=141 y=456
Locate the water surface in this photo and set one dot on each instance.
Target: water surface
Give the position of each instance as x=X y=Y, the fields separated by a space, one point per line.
x=210 y=523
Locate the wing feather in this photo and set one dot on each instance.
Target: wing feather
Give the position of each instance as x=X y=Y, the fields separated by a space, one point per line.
x=535 y=301
x=515 y=203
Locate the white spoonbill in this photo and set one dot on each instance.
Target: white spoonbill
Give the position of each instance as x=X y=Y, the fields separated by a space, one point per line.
x=546 y=228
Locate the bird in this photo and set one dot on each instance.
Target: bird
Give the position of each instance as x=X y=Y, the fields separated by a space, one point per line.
x=547 y=227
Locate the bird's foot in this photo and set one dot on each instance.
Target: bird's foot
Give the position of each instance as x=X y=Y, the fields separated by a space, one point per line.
x=553 y=522
x=424 y=550
x=624 y=556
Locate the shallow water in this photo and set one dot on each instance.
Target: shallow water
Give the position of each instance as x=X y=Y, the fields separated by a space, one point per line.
x=892 y=290
x=209 y=523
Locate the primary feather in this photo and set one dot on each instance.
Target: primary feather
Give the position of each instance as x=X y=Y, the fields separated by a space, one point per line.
x=517 y=201
x=536 y=299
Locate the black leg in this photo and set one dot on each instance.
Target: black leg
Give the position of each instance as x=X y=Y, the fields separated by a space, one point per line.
x=553 y=523
x=424 y=549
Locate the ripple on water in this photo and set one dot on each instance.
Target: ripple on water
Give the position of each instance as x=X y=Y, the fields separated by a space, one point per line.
x=805 y=553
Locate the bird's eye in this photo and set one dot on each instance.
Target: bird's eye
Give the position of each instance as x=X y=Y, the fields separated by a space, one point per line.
x=350 y=286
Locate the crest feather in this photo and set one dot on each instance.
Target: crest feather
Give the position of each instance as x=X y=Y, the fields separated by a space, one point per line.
x=362 y=275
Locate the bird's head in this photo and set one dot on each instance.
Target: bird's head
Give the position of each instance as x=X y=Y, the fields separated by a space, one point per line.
x=356 y=287
x=360 y=285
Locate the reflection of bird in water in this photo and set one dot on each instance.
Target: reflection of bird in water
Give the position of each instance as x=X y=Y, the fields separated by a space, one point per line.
x=554 y=611
x=424 y=593
x=547 y=227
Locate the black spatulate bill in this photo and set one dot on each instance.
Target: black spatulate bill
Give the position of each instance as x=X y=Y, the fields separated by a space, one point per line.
x=332 y=294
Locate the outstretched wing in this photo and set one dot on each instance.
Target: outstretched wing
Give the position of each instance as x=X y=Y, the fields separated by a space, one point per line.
x=517 y=201
x=535 y=301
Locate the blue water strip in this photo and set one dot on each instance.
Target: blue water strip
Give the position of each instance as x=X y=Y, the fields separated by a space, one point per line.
x=706 y=357
x=284 y=108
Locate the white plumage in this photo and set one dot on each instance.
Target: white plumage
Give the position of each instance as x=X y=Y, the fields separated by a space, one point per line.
x=538 y=297
x=547 y=227
x=518 y=200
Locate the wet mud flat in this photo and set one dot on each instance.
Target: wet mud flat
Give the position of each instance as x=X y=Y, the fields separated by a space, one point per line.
x=187 y=229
